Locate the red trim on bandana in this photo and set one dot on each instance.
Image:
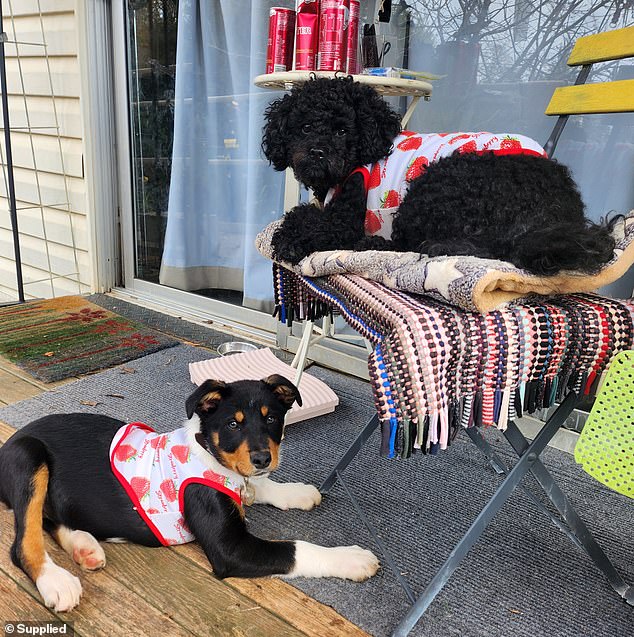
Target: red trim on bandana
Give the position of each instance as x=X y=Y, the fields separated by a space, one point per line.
x=365 y=173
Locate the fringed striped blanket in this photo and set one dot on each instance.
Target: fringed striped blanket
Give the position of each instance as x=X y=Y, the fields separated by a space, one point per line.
x=436 y=368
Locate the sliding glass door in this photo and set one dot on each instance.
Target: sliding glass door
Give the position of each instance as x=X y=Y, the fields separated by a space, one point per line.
x=195 y=188
x=202 y=190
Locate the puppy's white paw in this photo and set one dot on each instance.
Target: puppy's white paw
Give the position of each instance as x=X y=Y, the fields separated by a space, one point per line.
x=346 y=562
x=83 y=548
x=356 y=563
x=288 y=495
x=59 y=589
x=295 y=495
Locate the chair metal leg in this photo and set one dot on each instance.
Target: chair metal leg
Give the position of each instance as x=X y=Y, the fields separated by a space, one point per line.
x=384 y=550
x=299 y=361
x=585 y=539
x=504 y=491
x=500 y=467
x=494 y=460
x=352 y=451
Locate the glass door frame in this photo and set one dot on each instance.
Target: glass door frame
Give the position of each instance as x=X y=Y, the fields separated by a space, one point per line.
x=346 y=357
x=196 y=305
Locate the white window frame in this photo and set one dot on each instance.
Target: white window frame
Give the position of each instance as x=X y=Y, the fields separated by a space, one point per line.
x=94 y=40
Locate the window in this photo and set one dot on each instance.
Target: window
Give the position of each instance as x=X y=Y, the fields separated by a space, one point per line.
x=202 y=188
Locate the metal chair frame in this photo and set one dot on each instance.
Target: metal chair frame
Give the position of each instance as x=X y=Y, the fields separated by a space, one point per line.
x=528 y=462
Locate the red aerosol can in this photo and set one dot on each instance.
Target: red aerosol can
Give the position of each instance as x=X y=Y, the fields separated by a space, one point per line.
x=279 y=54
x=352 y=49
x=333 y=35
x=307 y=35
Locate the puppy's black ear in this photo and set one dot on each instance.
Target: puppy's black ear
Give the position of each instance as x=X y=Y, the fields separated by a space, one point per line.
x=377 y=123
x=284 y=390
x=276 y=131
x=206 y=397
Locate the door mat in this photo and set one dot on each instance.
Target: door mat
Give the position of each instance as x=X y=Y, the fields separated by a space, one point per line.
x=57 y=338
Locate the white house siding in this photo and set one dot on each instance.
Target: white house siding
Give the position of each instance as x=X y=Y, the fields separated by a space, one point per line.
x=51 y=239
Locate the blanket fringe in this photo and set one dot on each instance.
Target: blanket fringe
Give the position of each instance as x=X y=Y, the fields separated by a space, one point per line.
x=537 y=353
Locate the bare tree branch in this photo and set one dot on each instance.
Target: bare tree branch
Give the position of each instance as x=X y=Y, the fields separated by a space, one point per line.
x=529 y=39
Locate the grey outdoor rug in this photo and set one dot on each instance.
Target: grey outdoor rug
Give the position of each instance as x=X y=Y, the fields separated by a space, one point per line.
x=523 y=579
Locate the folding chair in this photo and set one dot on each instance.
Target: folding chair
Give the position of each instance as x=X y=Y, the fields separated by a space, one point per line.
x=436 y=369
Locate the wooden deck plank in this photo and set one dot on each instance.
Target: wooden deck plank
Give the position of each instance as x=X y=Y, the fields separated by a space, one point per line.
x=298 y=609
x=5 y=432
x=107 y=606
x=17 y=605
x=177 y=582
x=15 y=388
x=11 y=368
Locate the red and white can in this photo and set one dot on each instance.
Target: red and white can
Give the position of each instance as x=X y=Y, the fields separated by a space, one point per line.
x=307 y=35
x=279 y=53
x=333 y=35
x=352 y=48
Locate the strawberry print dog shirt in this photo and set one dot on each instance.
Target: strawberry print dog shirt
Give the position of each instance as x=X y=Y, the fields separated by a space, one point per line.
x=387 y=181
x=154 y=469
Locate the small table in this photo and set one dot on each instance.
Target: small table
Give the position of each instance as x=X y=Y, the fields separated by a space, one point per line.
x=386 y=86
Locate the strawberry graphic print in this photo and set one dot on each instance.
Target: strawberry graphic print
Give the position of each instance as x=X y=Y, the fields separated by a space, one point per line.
x=154 y=470
x=140 y=486
x=416 y=168
x=387 y=181
x=125 y=453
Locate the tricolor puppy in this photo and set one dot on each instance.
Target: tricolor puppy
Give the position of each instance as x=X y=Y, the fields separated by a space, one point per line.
x=86 y=477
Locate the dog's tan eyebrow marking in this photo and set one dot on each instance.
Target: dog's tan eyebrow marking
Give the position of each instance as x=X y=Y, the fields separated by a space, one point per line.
x=265 y=410
x=239 y=416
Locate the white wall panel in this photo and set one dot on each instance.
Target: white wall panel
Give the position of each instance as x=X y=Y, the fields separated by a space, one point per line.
x=52 y=240
x=48 y=158
x=64 y=76
x=32 y=7
x=39 y=113
x=59 y=29
x=49 y=189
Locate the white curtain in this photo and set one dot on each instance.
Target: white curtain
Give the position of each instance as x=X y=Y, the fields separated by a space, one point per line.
x=222 y=191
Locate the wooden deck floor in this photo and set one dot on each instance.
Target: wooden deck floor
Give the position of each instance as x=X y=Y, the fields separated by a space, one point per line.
x=167 y=591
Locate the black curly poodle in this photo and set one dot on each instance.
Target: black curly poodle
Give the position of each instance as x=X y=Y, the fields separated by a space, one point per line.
x=508 y=204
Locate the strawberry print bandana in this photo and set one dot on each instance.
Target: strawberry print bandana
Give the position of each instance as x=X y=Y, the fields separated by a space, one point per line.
x=387 y=181
x=154 y=469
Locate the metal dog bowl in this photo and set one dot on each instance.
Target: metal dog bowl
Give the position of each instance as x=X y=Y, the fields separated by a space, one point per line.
x=235 y=347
